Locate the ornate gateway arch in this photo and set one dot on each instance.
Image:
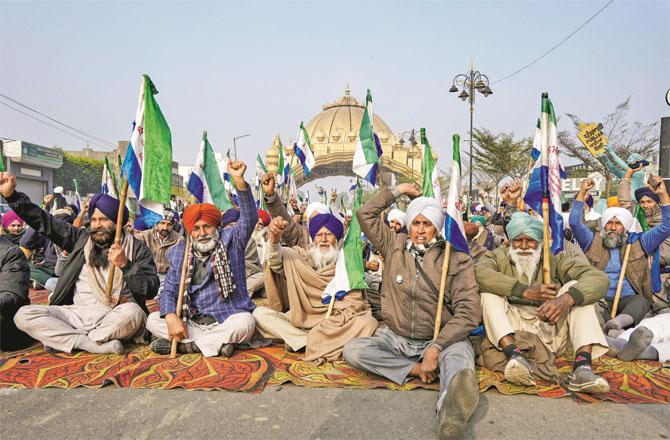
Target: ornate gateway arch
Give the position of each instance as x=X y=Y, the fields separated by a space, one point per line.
x=333 y=134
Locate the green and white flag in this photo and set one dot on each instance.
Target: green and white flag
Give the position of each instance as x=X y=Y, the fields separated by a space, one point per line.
x=148 y=162
x=349 y=269
x=368 y=148
x=206 y=183
x=2 y=161
x=109 y=181
x=431 y=180
x=281 y=177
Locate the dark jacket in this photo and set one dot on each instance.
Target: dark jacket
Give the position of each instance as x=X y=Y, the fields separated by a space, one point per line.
x=14 y=272
x=139 y=274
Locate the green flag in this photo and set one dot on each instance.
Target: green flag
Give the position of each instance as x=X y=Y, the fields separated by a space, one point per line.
x=431 y=182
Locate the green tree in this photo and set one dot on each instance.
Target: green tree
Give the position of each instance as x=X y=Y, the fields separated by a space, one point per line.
x=88 y=173
x=498 y=156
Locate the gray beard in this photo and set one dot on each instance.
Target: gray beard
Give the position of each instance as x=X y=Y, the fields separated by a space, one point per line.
x=322 y=258
x=207 y=247
x=616 y=241
x=526 y=266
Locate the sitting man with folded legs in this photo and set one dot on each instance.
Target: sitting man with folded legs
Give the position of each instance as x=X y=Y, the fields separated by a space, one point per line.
x=306 y=274
x=514 y=298
x=81 y=315
x=216 y=312
x=404 y=347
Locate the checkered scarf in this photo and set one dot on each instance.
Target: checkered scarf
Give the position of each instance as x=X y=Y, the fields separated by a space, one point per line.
x=223 y=275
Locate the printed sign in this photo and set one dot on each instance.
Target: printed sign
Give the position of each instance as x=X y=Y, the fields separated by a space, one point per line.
x=593 y=138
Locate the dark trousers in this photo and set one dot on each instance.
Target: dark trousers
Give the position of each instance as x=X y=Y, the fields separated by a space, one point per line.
x=635 y=305
x=11 y=338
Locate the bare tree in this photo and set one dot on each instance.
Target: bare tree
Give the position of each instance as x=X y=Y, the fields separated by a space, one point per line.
x=499 y=155
x=623 y=136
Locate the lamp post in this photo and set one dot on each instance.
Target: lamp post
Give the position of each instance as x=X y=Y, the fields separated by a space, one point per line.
x=470 y=82
x=409 y=135
x=235 y=143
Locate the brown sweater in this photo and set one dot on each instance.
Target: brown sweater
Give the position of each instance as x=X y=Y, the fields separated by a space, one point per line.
x=409 y=302
x=159 y=250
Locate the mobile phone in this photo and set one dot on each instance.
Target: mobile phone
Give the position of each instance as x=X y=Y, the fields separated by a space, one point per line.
x=637 y=164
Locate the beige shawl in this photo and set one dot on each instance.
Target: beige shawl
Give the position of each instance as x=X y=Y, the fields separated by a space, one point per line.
x=351 y=317
x=97 y=278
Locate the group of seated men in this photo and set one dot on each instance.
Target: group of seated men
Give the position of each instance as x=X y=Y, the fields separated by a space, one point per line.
x=503 y=288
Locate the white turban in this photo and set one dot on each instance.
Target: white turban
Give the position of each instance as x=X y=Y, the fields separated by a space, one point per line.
x=316 y=208
x=58 y=190
x=623 y=215
x=429 y=207
x=397 y=215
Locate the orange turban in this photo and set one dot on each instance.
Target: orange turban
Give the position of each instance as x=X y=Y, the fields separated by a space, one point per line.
x=201 y=211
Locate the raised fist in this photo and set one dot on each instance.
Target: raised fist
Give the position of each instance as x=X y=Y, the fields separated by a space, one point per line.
x=7 y=184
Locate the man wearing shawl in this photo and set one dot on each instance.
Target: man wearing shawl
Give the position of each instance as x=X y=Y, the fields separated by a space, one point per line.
x=294 y=234
x=650 y=202
x=307 y=272
x=79 y=315
x=160 y=239
x=216 y=311
x=606 y=253
x=404 y=347
x=562 y=313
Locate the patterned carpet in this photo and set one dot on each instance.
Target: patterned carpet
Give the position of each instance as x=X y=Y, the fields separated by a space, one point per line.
x=252 y=369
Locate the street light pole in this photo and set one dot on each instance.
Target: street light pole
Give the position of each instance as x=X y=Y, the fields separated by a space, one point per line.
x=235 y=143
x=471 y=81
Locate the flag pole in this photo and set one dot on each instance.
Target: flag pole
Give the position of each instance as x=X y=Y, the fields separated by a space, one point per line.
x=117 y=238
x=443 y=285
x=330 y=307
x=622 y=276
x=546 y=262
x=182 y=286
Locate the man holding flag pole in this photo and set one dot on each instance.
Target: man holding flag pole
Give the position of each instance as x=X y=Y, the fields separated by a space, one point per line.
x=421 y=289
x=529 y=288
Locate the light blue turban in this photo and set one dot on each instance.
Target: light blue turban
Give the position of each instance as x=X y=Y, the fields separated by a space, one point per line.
x=522 y=223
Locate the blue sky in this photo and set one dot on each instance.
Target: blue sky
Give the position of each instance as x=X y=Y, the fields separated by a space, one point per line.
x=261 y=67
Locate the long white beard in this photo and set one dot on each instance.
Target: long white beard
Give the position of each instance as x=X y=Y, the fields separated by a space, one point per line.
x=323 y=258
x=207 y=246
x=526 y=265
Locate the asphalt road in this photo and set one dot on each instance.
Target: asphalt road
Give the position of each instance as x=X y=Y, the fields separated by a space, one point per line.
x=290 y=412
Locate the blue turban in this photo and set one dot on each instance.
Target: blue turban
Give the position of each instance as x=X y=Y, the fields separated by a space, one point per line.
x=522 y=223
x=329 y=221
x=230 y=216
x=108 y=205
x=646 y=192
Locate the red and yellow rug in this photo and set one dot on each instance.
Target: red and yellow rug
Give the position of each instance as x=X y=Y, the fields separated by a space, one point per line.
x=251 y=370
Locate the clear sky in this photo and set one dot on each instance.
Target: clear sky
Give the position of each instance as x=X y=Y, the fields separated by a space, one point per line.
x=261 y=67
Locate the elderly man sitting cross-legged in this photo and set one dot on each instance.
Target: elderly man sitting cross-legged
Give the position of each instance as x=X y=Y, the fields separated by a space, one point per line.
x=561 y=313
x=217 y=310
x=80 y=315
x=307 y=273
x=404 y=348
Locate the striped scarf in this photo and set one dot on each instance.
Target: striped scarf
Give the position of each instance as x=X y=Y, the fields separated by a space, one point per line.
x=223 y=275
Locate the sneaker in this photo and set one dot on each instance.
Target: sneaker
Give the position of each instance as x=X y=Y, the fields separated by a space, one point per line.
x=584 y=380
x=457 y=408
x=227 y=350
x=519 y=371
x=161 y=346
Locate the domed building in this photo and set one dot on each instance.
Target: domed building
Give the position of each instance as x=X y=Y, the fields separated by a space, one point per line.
x=333 y=134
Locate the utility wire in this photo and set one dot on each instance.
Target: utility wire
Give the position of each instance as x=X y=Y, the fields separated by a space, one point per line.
x=557 y=45
x=52 y=126
x=90 y=136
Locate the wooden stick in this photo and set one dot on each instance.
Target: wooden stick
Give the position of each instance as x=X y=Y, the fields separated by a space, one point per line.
x=546 y=262
x=330 y=307
x=117 y=239
x=182 y=286
x=443 y=286
x=622 y=276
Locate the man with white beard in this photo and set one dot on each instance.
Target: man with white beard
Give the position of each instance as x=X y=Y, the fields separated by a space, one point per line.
x=216 y=311
x=306 y=273
x=562 y=313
